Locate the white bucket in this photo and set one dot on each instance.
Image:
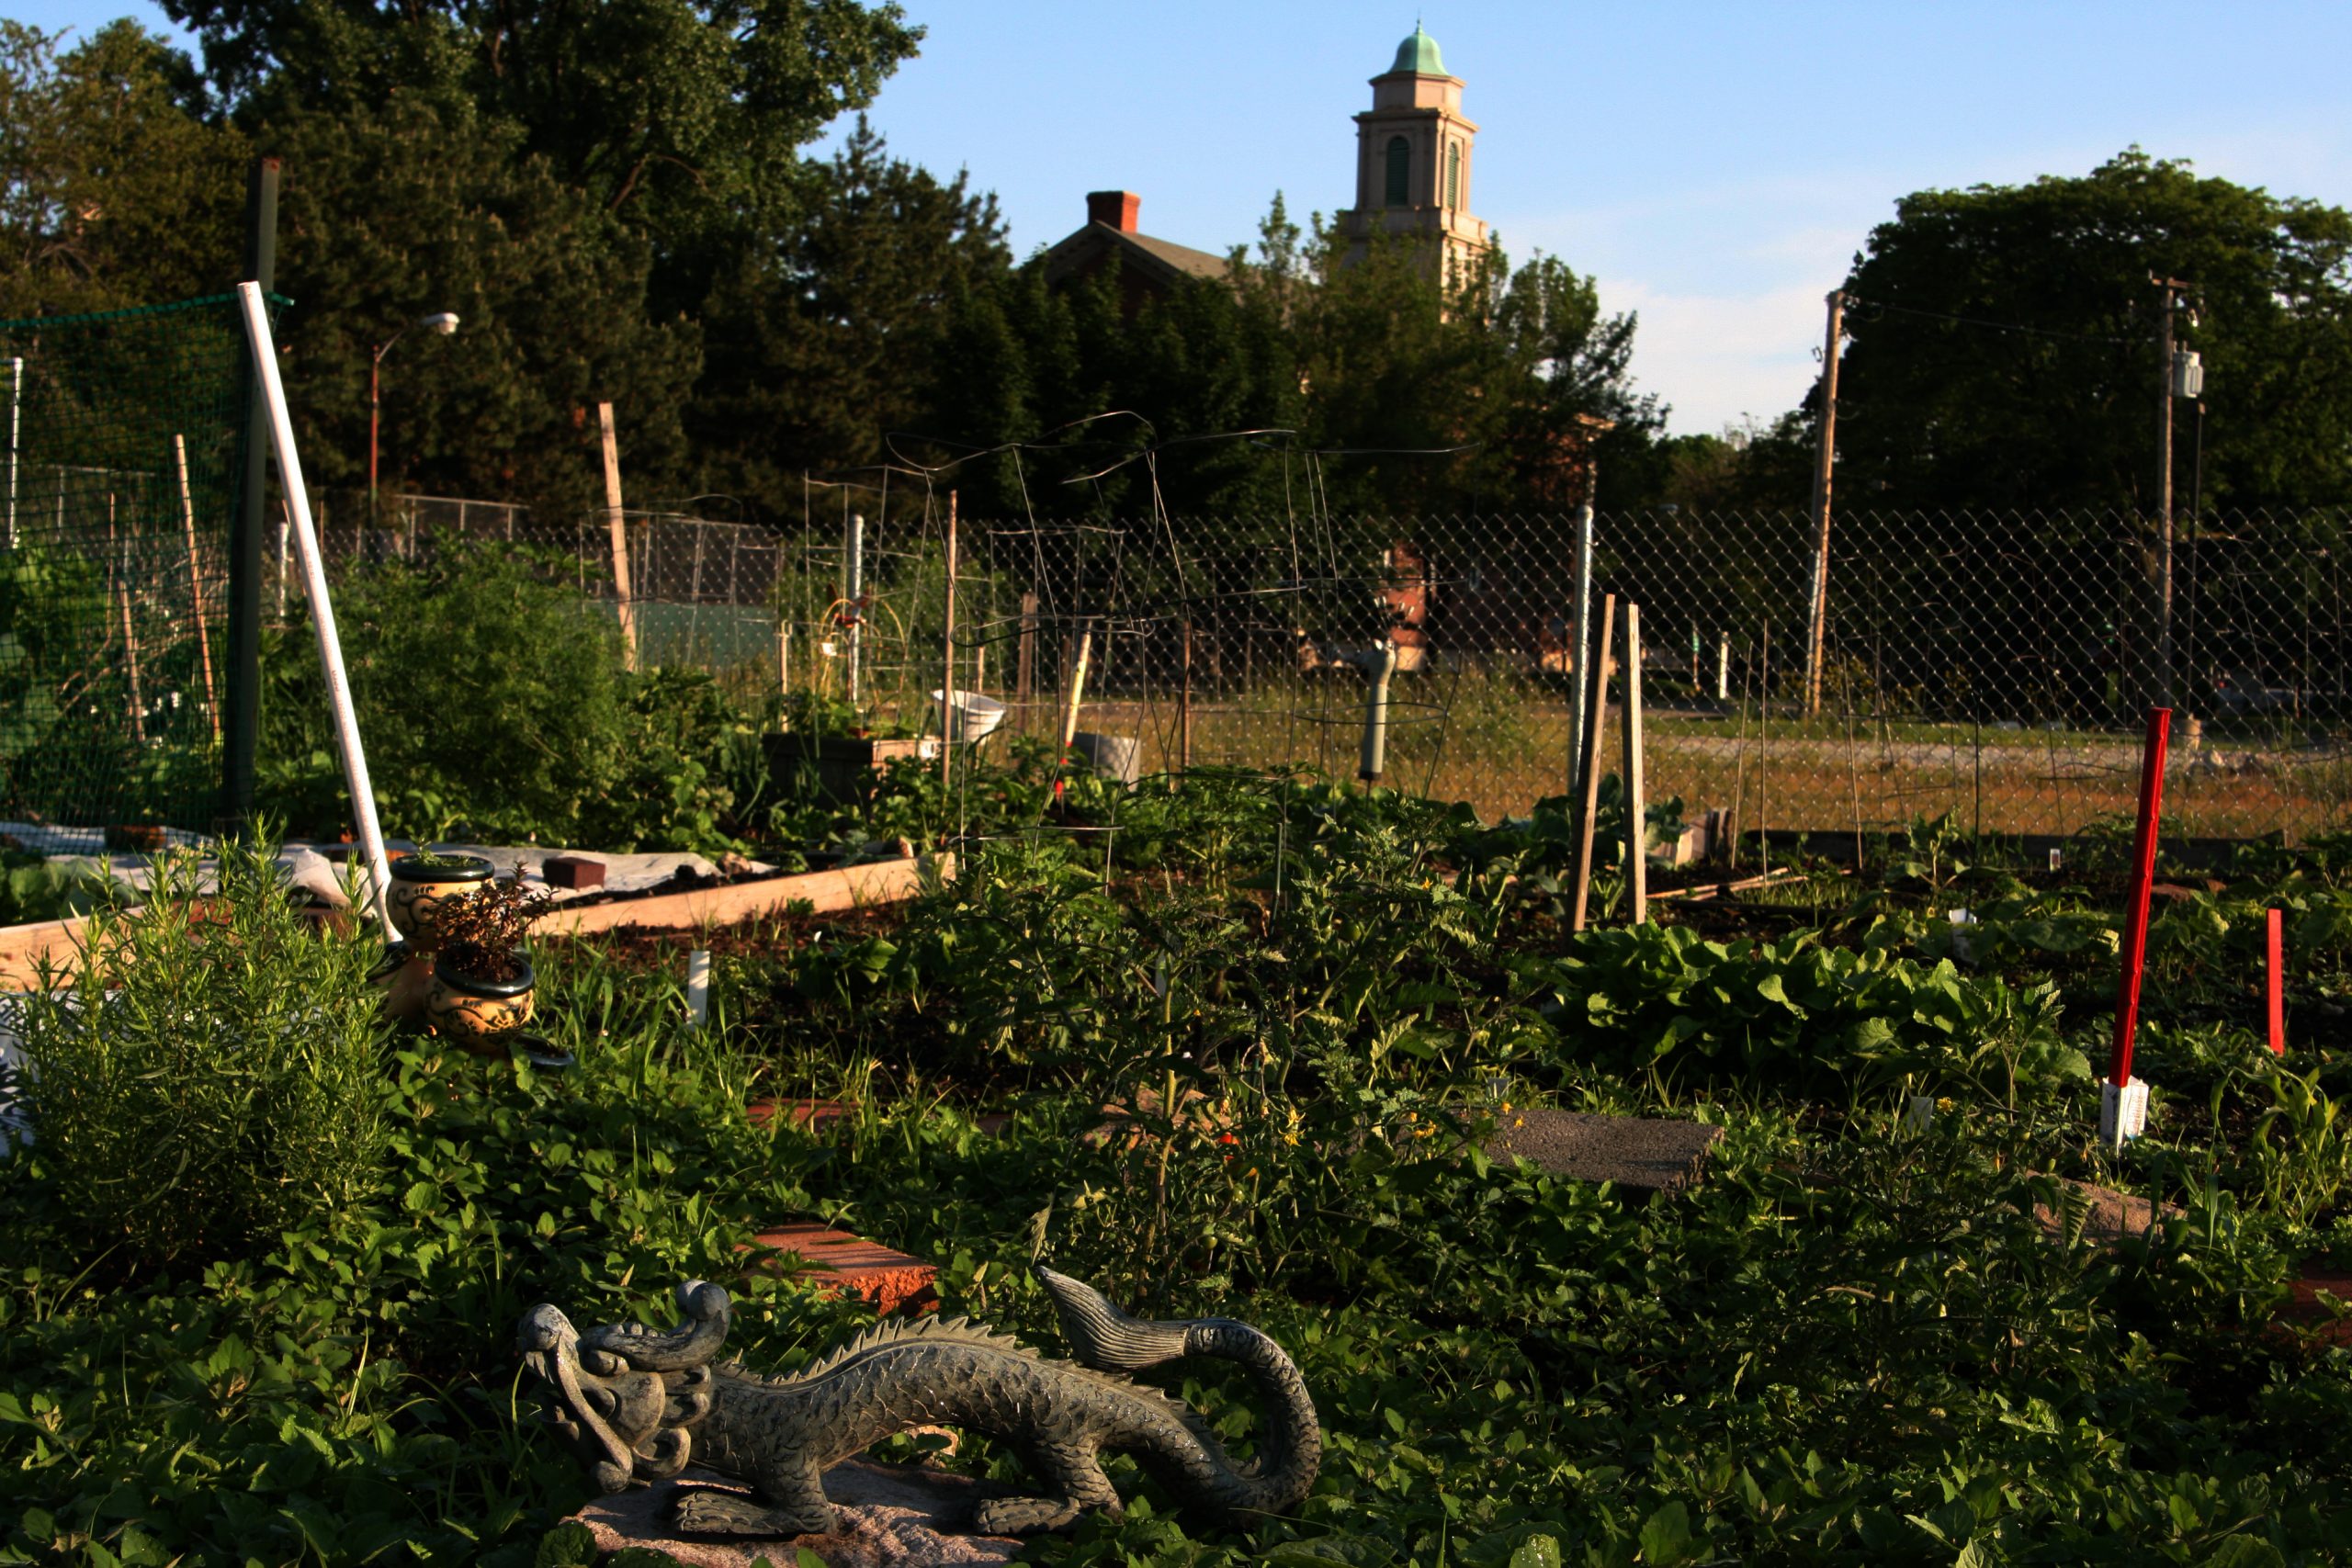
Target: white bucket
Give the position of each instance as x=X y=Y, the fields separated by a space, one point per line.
x=972 y=716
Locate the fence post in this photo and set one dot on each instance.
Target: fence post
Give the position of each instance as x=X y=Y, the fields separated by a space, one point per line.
x=1185 y=705
x=1589 y=770
x=947 y=658
x=242 y=718
x=1583 y=634
x=1818 y=616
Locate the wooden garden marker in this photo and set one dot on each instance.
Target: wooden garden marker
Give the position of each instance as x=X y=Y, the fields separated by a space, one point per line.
x=1637 y=879
x=1185 y=705
x=196 y=585
x=2275 y=978
x=1589 y=765
x=2123 y=1105
x=619 y=532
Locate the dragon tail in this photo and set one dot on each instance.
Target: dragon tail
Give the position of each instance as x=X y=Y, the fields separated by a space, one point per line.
x=1291 y=1451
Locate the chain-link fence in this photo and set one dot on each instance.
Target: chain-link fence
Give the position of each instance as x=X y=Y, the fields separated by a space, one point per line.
x=124 y=439
x=1992 y=666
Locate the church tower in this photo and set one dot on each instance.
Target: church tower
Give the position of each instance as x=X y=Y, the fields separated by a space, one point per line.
x=1413 y=165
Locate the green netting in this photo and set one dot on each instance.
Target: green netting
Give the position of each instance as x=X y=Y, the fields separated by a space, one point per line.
x=124 y=449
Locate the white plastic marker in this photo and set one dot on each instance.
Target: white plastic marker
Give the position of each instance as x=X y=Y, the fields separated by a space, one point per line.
x=314 y=585
x=697 y=987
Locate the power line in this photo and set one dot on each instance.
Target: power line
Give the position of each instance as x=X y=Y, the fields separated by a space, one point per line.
x=1880 y=307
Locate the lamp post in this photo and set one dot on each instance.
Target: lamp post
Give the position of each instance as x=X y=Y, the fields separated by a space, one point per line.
x=441 y=322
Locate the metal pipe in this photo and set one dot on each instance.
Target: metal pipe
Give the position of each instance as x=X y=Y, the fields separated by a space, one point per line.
x=1375 y=756
x=1583 y=634
x=854 y=592
x=16 y=406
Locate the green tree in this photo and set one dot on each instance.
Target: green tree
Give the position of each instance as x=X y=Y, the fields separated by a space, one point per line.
x=822 y=339
x=2003 y=349
x=114 y=188
x=424 y=205
x=684 y=118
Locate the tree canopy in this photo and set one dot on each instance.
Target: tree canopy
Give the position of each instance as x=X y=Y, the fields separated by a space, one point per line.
x=2003 y=346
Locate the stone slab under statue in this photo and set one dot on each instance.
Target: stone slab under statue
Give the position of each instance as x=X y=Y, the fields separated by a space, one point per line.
x=642 y=1405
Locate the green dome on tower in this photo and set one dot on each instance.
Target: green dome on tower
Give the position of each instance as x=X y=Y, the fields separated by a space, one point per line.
x=1418 y=55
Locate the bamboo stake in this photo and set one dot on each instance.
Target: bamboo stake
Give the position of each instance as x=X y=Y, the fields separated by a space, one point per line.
x=196 y=585
x=1589 y=761
x=1637 y=879
x=1077 y=687
x=130 y=637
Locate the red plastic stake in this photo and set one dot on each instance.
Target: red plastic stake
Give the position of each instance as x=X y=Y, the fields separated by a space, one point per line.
x=2277 y=982
x=2143 y=876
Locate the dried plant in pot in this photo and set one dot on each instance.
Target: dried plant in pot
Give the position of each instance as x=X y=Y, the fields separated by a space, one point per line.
x=481 y=978
x=424 y=884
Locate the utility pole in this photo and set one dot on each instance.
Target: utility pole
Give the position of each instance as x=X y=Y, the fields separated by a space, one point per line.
x=2174 y=288
x=1817 y=616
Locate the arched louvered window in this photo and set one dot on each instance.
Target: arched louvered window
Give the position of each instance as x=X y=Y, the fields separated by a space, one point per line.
x=1400 y=172
x=1453 y=176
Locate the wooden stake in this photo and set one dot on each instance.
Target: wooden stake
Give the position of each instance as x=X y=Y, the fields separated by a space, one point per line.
x=1637 y=870
x=1185 y=705
x=624 y=595
x=1024 y=664
x=1588 y=764
x=1818 y=614
x=947 y=658
x=196 y=586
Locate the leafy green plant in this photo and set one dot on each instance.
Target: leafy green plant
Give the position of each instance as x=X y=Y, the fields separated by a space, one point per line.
x=204 y=1076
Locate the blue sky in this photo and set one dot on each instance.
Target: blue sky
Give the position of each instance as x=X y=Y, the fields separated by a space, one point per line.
x=1715 y=166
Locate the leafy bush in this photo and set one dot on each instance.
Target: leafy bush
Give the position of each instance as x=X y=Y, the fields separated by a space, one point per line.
x=204 y=1076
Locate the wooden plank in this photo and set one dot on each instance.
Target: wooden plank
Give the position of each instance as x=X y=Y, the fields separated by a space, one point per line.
x=851 y=886
x=840 y=1261
x=23 y=947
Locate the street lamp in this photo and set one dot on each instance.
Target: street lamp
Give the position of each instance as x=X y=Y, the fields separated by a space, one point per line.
x=441 y=322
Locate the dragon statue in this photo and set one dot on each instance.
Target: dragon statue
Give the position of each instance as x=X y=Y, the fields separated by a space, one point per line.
x=641 y=1404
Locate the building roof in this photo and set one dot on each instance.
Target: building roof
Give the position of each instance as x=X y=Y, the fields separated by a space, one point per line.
x=1418 y=55
x=1158 y=258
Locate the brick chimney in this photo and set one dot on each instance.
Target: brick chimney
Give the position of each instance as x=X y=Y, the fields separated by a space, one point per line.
x=1117 y=207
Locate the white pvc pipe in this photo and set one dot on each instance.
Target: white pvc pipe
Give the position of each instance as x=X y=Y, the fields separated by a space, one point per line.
x=697 y=987
x=314 y=583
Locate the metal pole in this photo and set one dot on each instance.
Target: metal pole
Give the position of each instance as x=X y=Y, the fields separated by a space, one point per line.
x=375 y=412
x=242 y=710
x=1818 y=616
x=1636 y=815
x=1373 y=758
x=1583 y=634
x=947 y=656
x=2172 y=288
x=855 y=595
x=15 y=408
x=314 y=578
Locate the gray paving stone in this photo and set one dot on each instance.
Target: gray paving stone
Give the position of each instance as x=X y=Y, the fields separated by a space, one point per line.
x=1653 y=1154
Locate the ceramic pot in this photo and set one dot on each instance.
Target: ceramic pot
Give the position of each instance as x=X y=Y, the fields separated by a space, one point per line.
x=478 y=1014
x=424 y=884
x=404 y=976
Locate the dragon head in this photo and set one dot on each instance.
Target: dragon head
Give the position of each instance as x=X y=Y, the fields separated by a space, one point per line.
x=625 y=1395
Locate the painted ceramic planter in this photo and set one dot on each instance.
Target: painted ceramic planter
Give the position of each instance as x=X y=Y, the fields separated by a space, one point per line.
x=481 y=1015
x=424 y=884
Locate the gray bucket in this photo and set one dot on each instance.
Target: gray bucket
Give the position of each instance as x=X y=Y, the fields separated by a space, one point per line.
x=1119 y=756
